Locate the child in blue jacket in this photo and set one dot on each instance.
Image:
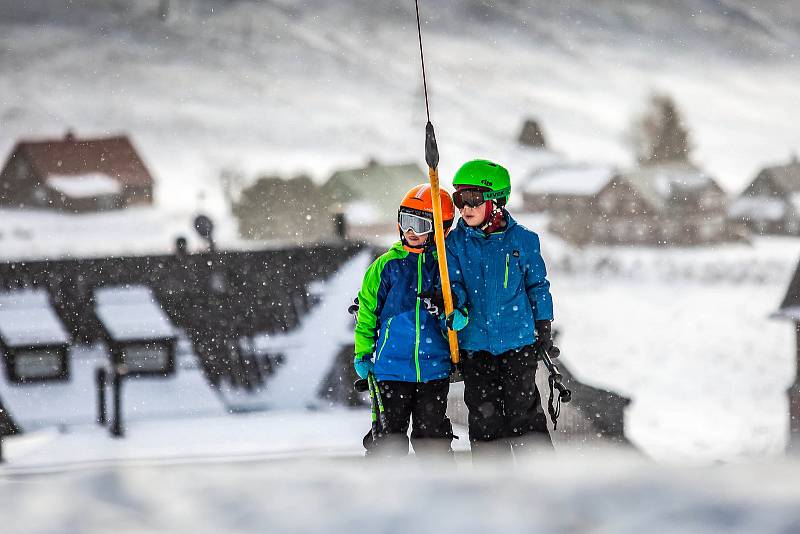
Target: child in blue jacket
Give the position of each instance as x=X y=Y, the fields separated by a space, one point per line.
x=503 y=313
x=402 y=345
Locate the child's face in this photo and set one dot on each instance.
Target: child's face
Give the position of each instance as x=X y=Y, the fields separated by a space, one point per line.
x=415 y=240
x=474 y=216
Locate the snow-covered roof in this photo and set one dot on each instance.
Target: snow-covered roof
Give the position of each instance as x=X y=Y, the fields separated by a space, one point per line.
x=763 y=208
x=27 y=318
x=660 y=184
x=667 y=179
x=130 y=313
x=89 y=185
x=573 y=180
x=71 y=156
x=363 y=212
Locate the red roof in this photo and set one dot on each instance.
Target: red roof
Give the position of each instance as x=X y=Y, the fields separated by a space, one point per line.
x=113 y=156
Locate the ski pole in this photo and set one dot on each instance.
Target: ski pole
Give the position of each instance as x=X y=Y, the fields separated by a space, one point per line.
x=565 y=394
x=376 y=401
x=555 y=383
x=432 y=159
x=374 y=415
x=374 y=386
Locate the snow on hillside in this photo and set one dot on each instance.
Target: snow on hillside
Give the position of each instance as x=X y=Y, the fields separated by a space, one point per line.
x=288 y=87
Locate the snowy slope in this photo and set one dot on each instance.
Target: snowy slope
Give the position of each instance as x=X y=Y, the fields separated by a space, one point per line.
x=219 y=439
x=287 y=86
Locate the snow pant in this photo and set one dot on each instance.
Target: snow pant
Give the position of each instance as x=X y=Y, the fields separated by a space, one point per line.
x=424 y=404
x=505 y=408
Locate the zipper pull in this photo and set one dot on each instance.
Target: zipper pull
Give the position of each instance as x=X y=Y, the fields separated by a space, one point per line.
x=505 y=279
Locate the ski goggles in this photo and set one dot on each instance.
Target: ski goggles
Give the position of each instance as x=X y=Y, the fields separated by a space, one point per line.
x=416 y=222
x=476 y=197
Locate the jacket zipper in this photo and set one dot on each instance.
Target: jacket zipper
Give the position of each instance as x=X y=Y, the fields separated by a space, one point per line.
x=420 y=259
x=385 y=339
x=505 y=279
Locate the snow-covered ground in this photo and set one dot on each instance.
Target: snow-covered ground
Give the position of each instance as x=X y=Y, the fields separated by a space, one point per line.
x=687 y=335
x=705 y=366
x=602 y=493
x=39 y=234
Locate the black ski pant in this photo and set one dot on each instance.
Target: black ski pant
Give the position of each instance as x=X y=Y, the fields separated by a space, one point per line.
x=424 y=406
x=505 y=408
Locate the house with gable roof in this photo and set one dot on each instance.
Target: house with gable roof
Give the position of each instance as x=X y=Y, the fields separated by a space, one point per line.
x=771 y=203
x=664 y=204
x=72 y=174
x=370 y=196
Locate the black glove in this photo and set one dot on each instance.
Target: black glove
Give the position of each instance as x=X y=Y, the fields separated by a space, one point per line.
x=433 y=302
x=353 y=309
x=544 y=337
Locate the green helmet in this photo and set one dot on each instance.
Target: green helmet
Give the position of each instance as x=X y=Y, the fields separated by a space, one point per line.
x=484 y=173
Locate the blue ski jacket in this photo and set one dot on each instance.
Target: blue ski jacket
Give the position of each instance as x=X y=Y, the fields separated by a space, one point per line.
x=501 y=281
x=408 y=344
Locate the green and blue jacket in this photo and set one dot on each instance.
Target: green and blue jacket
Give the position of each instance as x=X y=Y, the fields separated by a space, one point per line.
x=408 y=344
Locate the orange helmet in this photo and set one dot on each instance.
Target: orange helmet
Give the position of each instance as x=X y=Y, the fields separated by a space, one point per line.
x=416 y=213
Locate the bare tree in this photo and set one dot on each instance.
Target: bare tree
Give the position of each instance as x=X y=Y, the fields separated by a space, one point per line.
x=660 y=134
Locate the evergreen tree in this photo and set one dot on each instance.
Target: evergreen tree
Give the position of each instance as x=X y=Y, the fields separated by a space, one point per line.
x=660 y=134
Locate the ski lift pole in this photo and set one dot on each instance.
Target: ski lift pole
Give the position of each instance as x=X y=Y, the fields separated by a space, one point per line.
x=432 y=159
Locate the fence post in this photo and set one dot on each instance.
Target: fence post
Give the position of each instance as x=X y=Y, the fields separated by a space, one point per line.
x=101 y=378
x=120 y=372
x=340 y=226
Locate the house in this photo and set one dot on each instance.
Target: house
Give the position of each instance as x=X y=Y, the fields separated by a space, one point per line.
x=664 y=204
x=771 y=203
x=565 y=187
x=789 y=309
x=74 y=174
x=370 y=196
